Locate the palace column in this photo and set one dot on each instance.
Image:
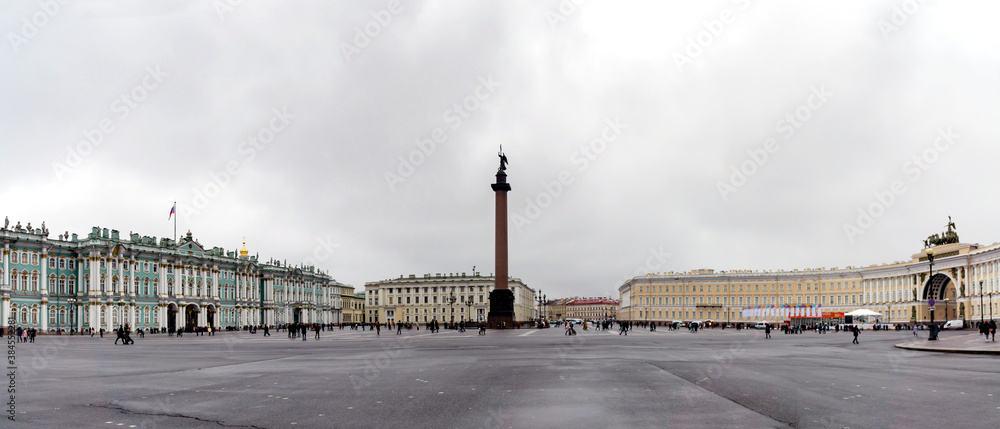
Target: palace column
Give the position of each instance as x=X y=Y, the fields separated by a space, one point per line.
x=501 y=298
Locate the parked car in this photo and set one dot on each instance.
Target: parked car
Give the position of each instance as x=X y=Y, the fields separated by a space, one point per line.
x=954 y=324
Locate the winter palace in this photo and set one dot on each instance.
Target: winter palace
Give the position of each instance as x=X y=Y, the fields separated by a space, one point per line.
x=956 y=280
x=104 y=280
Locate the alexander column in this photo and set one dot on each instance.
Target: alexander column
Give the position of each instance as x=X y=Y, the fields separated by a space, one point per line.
x=501 y=298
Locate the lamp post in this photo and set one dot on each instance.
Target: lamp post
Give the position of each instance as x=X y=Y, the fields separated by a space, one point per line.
x=538 y=299
x=982 y=316
x=451 y=302
x=468 y=303
x=930 y=273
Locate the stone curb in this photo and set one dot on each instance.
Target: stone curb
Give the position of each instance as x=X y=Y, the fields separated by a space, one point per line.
x=944 y=350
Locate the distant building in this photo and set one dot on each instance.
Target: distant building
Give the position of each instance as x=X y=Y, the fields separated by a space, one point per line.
x=445 y=298
x=555 y=309
x=353 y=305
x=592 y=309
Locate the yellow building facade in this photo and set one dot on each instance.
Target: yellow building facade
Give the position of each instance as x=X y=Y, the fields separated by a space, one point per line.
x=963 y=280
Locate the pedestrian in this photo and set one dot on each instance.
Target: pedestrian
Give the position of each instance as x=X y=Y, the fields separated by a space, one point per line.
x=317 y=331
x=267 y=332
x=856 y=332
x=120 y=335
x=915 y=330
x=482 y=328
x=378 y=329
x=399 y=329
x=102 y=332
x=993 y=329
x=767 y=330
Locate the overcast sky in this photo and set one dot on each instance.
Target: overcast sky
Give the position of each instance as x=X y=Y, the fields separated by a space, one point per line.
x=641 y=136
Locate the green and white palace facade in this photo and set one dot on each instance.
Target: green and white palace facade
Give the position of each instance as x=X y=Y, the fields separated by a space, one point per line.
x=104 y=280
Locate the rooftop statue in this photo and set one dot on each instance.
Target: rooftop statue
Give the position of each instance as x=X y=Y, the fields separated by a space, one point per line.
x=503 y=159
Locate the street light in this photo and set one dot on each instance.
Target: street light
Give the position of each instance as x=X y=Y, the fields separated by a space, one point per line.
x=469 y=303
x=982 y=316
x=451 y=302
x=930 y=273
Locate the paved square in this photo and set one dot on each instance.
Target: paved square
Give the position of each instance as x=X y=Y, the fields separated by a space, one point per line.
x=506 y=379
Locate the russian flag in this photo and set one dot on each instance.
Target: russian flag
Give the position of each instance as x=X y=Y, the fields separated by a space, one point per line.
x=172 y=211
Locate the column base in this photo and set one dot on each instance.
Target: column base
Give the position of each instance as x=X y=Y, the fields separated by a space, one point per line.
x=501 y=309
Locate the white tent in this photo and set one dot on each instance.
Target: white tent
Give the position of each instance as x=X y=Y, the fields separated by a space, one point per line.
x=862 y=312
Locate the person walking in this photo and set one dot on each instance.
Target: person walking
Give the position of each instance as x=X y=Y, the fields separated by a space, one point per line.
x=915 y=330
x=317 y=331
x=482 y=328
x=378 y=329
x=856 y=331
x=767 y=331
x=120 y=335
x=993 y=329
x=267 y=331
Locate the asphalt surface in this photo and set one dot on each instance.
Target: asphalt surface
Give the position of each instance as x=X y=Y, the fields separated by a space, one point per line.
x=526 y=378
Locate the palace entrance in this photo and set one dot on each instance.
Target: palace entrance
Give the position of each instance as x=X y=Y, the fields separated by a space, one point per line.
x=190 y=317
x=171 y=318
x=297 y=316
x=210 y=316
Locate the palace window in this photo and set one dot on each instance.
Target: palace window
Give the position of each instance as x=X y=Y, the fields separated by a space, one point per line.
x=52 y=316
x=34 y=259
x=13 y=258
x=34 y=282
x=52 y=263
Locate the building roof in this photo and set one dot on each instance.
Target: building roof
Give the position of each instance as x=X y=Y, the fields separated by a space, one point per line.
x=592 y=301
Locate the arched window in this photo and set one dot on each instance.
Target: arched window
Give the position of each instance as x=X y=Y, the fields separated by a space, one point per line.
x=24 y=315
x=13 y=280
x=145 y=289
x=103 y=315
x=34 y=282
x=52 y=284
x=52 y=316
x=136 y=285
x=62 y=285
x=114 y=316
x=62 y=315
x=34 y=316
x=114 y=284
x=103 y=287
x=156 y=284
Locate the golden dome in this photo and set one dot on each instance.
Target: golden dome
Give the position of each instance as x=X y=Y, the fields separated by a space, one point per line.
x=243 y=251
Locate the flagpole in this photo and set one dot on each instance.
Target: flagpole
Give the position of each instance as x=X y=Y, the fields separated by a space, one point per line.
x=175 y=223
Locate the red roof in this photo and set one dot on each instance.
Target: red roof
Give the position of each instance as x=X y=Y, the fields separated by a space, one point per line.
x=593 y=301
